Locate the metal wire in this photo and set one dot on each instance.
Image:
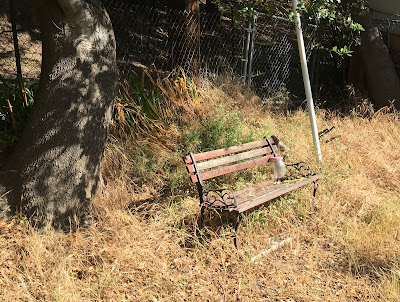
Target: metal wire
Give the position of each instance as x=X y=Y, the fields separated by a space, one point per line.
x=159 y=39
x=276 y=62
x=30 y=47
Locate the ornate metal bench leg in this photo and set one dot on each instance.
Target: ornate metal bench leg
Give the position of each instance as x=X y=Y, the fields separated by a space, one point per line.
x=201 y=217
x=316 y=185
x=238 y=221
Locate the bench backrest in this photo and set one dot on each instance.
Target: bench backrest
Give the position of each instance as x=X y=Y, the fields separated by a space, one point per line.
x=207 y=165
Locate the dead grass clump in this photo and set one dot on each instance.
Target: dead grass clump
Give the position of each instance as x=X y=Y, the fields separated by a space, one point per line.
x=390 y=285
x=151 y=109
x=363 y=169
x=231 y=92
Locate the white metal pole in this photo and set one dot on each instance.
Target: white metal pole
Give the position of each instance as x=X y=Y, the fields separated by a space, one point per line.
x=306 y=80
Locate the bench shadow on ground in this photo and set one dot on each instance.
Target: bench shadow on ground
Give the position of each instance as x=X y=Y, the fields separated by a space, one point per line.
x=214 y=223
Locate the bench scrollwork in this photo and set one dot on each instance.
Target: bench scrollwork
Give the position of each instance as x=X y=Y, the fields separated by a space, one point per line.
x=219 y=199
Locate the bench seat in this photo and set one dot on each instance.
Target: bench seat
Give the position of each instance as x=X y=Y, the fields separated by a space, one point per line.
x=258 y=194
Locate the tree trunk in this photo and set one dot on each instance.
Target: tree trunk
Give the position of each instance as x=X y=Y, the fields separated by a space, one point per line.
x=184 y=36
x=55 y=168
x=382 y=80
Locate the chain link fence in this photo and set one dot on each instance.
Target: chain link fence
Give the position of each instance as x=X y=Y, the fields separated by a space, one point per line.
x=7 y=62
x=276 y=63
x=28 y=42
x=155 y=39
x=159 y=39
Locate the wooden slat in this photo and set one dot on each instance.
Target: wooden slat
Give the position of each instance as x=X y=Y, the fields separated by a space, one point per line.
x=232 y=158
x=193 y=179
x=225 y=151
x=255 y=190
x=251 y=203
x=190 y=168
x=187 y=159
x=234 y=168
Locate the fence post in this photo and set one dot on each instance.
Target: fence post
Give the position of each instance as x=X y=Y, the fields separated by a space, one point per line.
x=20 y=81
x=233 y=40
x=312 y=67
x=251 y=48
x=245 y=58
x=15 y=39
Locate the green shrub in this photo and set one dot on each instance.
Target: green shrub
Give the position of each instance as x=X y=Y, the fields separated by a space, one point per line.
x=12 y=123
x=221 y=129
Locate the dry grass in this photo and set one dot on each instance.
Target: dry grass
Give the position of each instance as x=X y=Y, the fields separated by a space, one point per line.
x=145 y=245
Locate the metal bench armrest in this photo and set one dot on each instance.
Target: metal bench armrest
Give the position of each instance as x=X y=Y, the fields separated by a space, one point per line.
x=219 y=199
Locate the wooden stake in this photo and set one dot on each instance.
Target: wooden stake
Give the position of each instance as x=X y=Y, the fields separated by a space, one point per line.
x=14 y=123
x=274 y=247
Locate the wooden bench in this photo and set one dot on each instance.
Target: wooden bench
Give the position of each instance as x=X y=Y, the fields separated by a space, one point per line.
x=211 y=164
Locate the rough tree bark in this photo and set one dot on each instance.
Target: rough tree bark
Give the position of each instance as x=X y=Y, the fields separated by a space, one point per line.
x=383 y=82
x=55 y=168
